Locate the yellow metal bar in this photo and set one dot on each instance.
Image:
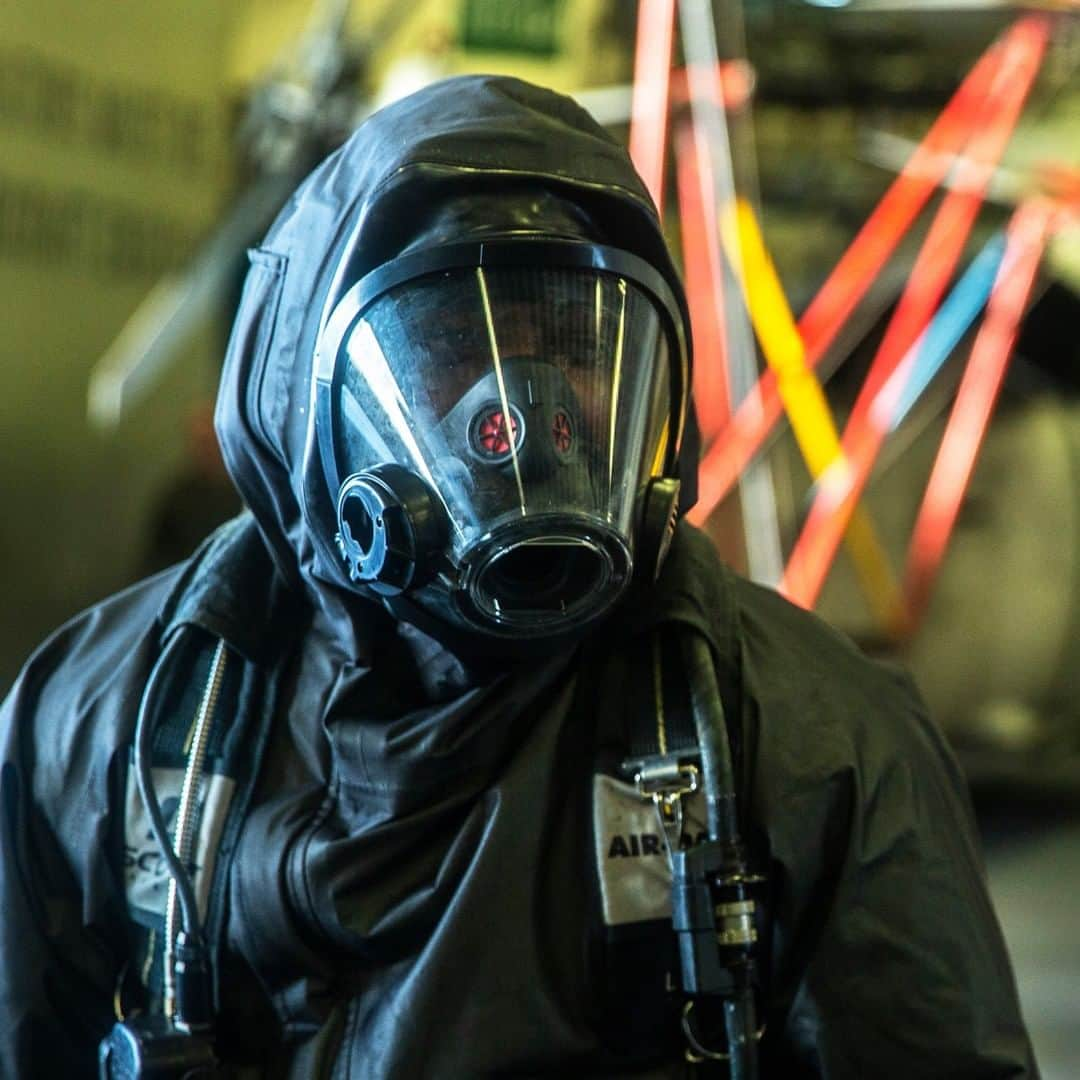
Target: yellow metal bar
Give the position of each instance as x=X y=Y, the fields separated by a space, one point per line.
x=804 y=400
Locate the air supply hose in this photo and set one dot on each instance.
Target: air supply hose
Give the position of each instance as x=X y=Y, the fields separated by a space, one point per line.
x=713 y=906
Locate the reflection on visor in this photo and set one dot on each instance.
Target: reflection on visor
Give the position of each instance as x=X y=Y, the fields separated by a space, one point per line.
x=506 y=415
x=364 y=350
x=519 y=395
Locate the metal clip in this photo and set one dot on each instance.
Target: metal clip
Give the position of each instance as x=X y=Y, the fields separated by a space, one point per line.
x=665 y=780
x=695 y=1053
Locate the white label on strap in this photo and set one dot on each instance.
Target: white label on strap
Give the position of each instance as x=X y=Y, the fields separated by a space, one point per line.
x=631 y=855
x=146 y=877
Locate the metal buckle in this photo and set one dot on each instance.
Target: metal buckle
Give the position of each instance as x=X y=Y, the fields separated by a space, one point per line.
x=665 y=779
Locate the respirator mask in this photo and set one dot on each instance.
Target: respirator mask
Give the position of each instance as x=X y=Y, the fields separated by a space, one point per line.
x=498 y=427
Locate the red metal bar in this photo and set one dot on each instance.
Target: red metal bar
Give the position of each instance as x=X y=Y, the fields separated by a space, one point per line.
x=837 y=493
x=649 y=101
x=733 y=89
x=819 y=541
x=858 y=268
x=703 y=270
x=948 y=234
x=975 y=399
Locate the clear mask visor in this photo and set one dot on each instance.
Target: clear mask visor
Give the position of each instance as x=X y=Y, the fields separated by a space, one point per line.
x=534 y=402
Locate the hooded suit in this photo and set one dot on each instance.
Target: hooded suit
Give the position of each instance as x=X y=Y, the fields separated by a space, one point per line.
x=418 y=860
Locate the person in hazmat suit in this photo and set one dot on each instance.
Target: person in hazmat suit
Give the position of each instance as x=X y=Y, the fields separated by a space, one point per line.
x=459 y=753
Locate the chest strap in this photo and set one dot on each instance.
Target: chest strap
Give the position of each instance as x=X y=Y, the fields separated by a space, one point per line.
x=665 y=761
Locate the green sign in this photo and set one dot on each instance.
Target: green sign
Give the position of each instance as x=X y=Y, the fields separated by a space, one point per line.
x=514 y=26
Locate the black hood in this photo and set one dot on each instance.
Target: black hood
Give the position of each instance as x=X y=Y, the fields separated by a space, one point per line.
x=377 y=193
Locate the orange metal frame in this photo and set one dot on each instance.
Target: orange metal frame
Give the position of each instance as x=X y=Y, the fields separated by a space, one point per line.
x=973 y=129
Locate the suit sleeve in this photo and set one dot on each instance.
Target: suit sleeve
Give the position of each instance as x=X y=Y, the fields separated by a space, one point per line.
x=61 y=897
x=888 y=959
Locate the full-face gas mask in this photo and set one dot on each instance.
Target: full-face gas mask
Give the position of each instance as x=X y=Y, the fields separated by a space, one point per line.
x=498 y=425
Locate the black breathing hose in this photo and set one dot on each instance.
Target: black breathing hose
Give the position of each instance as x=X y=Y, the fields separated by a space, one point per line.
x=718 y=782
x=144 y=733
x=739 y=1025
x=148 y=1046
x=718 y=772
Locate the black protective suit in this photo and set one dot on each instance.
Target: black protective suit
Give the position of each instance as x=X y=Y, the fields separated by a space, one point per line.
x=437 y=870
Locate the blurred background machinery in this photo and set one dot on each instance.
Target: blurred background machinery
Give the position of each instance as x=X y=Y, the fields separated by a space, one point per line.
x=145 y=148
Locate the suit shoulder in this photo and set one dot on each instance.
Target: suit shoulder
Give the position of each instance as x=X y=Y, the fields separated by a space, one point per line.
x=89 y=666
x=809 y=650
x=822 y=705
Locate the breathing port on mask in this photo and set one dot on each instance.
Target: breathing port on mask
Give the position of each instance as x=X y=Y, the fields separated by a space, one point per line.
x=541 y=574
x=358 y=525
x=544 y=584
x=390 y=528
